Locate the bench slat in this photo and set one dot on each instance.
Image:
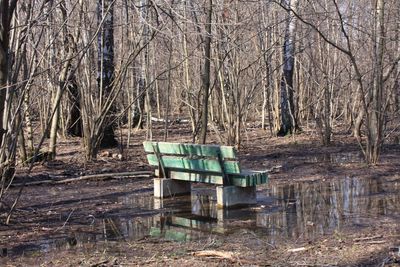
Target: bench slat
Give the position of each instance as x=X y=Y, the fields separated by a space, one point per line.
x=227 y=152
x=197 y=165
x=241 y=179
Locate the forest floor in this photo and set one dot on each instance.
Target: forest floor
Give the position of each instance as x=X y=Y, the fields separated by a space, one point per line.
x=322 y=207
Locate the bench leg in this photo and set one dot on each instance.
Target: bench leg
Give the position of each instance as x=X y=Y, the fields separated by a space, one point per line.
x=228 y=196
x=169 y=187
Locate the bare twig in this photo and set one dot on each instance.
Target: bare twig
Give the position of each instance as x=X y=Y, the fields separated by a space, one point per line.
x=66 y=221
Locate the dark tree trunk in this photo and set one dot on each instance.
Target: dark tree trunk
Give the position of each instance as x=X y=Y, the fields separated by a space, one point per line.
x=105 y=75
x=4 y=36
x=75 y=119
x=6 y=11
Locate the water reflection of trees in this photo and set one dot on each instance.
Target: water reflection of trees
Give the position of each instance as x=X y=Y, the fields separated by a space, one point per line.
x=133 y=227
x=309 y=209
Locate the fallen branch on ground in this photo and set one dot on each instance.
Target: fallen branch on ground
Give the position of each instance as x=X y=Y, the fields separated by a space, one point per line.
x=274 y=169
x=298 y=249
x=137 y=174
x=214 y=253
x=367 y=238
x=373 y=242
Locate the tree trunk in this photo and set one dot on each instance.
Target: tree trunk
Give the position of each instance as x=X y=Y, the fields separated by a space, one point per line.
x=288 y=122
x=145 y=99
x=376 y=119
x=5 y=18
x=105 y=74
x=6 y=12
x=63 y=78
x=206 y=75
x=74 y=127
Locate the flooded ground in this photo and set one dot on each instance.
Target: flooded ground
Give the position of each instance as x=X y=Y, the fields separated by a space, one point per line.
x=285 y=212
x=322 y=207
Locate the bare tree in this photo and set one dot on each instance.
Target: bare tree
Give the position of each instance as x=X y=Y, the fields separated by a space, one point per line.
x=288 y=120
x=6 y=12
x=63 y=82
x=376 y=116
x=105 y=72
x=206 y=74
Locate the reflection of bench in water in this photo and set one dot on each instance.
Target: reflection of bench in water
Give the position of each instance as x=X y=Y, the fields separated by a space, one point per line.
x=188 y=217
x=180 y=164
x=184 y=228
x=195 y=217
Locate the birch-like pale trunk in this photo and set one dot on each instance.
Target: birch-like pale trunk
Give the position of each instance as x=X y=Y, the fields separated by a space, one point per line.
x=288 y=122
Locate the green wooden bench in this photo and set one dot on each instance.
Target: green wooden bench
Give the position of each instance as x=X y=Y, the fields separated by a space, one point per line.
x=177 y=165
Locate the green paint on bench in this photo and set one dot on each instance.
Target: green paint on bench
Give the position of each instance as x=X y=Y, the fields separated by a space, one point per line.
x=174 y=227
x=197 y=165
x=200 y=163
x=245 y=179
x=227 y=152
x=196 y=225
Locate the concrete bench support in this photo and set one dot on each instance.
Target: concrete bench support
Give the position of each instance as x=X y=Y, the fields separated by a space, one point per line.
x=228 y=196
x=168 y=187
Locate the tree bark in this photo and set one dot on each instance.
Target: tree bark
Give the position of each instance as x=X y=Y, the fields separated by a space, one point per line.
x=63 y=79
x=206 y=75
x=5 y=15
x=6 y=12
x=376 y=119
x=105 y=74
x=288 y=122
x=74 y=127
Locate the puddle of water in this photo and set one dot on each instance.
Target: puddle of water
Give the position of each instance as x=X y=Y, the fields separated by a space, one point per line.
x=336 y=158
x=283 y=212
x=310 y=209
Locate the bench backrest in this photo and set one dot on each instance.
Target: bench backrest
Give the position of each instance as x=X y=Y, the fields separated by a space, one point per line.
x=193 y=157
